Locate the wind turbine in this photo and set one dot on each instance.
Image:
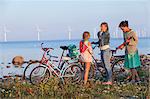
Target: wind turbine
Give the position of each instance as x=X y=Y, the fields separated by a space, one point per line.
x=144 y=32
x=94 y=33
x=5 y=33
x=69 y=32
x=38 y=32
x=116 y=33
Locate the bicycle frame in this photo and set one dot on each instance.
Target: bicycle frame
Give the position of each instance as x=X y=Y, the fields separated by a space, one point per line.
x=111 y=54
x=113 y=58
x=61 y=72
x=47 y=63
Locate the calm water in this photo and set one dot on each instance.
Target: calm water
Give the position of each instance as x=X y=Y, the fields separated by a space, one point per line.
x=32 y=50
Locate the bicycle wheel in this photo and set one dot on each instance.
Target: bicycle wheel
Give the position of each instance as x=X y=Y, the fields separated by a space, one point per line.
x=39 y=75
x=28 y=69
x=95 y=71
x=119 y=73
x=100 y=72
x=73 y=74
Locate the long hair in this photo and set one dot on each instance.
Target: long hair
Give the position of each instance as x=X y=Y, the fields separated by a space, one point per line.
x=106 y=24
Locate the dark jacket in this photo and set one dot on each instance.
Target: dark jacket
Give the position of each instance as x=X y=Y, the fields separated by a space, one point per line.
x=103 y=38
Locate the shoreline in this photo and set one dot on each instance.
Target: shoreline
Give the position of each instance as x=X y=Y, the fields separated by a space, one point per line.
x=61 y=40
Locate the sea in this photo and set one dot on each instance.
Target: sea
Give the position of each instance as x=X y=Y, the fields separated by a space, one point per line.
x=31 y=50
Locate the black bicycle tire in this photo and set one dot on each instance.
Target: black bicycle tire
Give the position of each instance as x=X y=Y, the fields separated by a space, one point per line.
x=115 y=62
x=24 y=72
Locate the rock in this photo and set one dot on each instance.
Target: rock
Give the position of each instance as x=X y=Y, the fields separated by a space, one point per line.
x=18 y=61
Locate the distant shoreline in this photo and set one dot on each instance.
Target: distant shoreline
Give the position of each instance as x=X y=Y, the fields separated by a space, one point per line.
x=59 y=40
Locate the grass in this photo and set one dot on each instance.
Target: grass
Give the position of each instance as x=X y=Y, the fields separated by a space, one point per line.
x=94 y=90
x=53 y=89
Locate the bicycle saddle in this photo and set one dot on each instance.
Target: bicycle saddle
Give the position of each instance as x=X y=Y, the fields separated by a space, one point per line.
x=113 y=51
x=64 y=47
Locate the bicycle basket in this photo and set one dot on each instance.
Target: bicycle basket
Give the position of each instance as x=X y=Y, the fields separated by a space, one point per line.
x=73 y=51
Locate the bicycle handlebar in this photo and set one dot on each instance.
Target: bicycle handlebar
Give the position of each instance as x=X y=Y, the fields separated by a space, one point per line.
x=47 y=51
x=46 y=48
x=113 y=51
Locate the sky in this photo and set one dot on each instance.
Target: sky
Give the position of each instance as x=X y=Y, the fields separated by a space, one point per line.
x=54 y=17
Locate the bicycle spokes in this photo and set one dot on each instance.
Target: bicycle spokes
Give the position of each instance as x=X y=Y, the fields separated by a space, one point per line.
x=39 y=75
x=72 y=74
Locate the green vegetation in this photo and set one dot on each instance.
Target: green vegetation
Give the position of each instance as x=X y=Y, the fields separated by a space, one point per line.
x=55 y=89
x=93 y=90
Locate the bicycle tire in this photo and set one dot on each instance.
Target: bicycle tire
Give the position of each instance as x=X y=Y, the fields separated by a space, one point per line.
x=75 y=68
x=99 y=72
x=119 y=73
x=92 y=71
x=25 y=72
x=45 y=75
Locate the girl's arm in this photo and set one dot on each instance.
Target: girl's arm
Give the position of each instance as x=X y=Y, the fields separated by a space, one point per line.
x=124 y=43
x=90 y=47
x=98 y=40
x=121 y=46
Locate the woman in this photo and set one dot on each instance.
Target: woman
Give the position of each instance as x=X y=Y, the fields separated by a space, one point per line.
x=86 y=51
x=104 y=37
x=132 y=59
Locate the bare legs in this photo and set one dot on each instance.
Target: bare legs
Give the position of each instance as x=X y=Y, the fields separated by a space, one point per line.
x=134 y=74
x=87 y=69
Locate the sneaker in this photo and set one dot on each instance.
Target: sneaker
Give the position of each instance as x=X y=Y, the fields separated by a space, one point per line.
x=132 y=82
x=138 y=81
